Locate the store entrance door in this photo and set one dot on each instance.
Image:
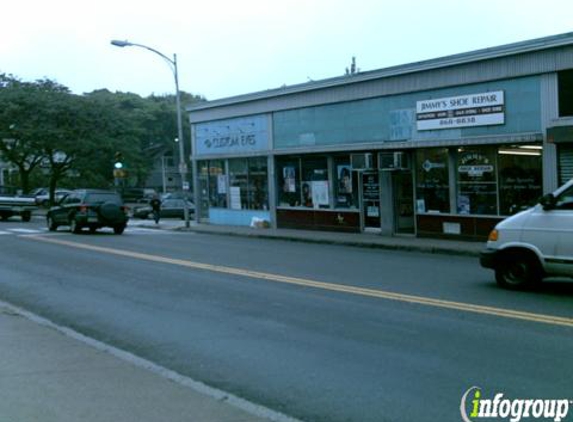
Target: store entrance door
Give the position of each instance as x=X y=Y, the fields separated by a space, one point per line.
x=370 y=187
x=403 y=192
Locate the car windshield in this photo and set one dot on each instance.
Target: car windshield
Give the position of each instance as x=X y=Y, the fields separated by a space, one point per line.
x=101 y=197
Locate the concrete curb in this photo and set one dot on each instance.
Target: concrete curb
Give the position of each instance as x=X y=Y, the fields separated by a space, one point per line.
x=413 y=245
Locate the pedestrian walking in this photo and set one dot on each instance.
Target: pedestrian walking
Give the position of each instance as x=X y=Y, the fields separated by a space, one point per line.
x=155 y=208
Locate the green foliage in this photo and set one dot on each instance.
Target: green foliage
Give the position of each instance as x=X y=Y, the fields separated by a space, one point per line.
x=55 y=137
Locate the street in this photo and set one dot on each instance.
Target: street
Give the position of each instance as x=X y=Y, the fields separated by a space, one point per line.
x=322 y=333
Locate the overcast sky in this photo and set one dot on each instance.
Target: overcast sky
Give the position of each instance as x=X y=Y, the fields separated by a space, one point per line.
x=232 y=47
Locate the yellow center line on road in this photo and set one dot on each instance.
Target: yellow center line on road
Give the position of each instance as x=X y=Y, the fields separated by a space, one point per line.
x=380 y=294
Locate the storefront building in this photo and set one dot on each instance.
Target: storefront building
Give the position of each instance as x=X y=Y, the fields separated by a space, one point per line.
x=446 y=147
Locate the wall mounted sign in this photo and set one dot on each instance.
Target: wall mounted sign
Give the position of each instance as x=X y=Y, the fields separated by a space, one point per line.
x=371 y=187
x=482 y=109
x=232 y=136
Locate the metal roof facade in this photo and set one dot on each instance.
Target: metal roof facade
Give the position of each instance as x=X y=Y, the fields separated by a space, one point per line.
x=538 y=56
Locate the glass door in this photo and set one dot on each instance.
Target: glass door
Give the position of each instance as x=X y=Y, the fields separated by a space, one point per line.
x=403 y=189
x=370 y=182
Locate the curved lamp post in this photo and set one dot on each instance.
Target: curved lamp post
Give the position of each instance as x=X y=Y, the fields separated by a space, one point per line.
x=182 y=164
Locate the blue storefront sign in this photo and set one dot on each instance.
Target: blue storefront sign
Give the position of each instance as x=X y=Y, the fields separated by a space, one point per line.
x=234 y=136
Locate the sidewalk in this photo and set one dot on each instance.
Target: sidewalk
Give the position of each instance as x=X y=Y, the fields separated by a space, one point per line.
x=366 y=240
x=50 y=374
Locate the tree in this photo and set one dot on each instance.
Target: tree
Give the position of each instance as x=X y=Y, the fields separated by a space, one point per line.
x=19 y=122
x=148 y=124
x=43 y=124
x=74 y=137
x=130 y=125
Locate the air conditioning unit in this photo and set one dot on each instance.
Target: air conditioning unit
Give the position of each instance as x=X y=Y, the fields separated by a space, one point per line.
x=361 y=161
x=401 y=160
x=390 y=160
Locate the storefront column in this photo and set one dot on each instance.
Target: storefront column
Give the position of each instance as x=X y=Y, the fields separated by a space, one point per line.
x=194 y=176
x=550 y=166
x=386 y=204
x=272 y=184
x=196 y=189
x=452 y=177
x=549 y=112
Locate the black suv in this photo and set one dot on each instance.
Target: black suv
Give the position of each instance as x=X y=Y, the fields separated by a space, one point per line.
x=89 y=208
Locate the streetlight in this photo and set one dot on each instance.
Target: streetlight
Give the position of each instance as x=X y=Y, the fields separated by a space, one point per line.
x=182 y=164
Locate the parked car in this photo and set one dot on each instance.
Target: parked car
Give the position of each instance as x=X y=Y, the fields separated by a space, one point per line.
x=170 y=208
x=91 y=208
x=43 y=198
x=15 y=205
x=535 y=243
x=178 y=195
x=137 y=195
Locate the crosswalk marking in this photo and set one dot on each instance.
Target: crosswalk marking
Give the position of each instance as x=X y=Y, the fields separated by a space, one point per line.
x=144 y=230
x=21 y=231
x=25 y=231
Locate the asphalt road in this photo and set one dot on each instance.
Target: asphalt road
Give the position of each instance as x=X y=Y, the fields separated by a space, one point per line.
x=319 y=332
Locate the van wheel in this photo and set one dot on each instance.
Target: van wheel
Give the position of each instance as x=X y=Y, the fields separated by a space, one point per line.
x=518 y=270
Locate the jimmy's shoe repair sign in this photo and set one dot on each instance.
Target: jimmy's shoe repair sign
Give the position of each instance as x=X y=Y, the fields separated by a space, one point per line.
x=482 y=109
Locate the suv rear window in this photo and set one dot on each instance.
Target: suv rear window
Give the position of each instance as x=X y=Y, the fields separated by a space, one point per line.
x=101 y=197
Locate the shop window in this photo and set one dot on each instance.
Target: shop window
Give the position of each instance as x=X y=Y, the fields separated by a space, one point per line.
x=476 y=181
x=565 y=92
x=288 y=171
x=345 y=184
x=519 y=177
x=238 y=184
x=315 y=182
x=432 y=181
x=217 y=184
x=212 y=186
x=303 y=182
x=257 y=188
x=248 y=183
x=203 y=176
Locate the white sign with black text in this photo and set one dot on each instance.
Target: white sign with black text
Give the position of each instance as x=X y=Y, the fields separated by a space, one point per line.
x=482 y=109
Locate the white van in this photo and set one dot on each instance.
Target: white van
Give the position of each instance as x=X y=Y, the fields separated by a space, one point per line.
x=535 y=243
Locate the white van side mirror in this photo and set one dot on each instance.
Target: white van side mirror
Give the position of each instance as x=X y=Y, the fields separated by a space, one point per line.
x=548 y=201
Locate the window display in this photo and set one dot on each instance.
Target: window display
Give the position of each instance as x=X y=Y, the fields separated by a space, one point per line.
x=519 y=177
x=315 y=182
x=238 y=182
x=485 y=176
x=345 y=185
x=245 y=187
x=248 y=183
x=288 y=171
x=304 y=182
x=217 y=184
x=212 y=185
x=432 y=181
x=476 y=181
x=258 y=192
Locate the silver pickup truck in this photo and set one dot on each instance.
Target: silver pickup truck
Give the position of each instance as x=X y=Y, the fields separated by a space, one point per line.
x=17 y=205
